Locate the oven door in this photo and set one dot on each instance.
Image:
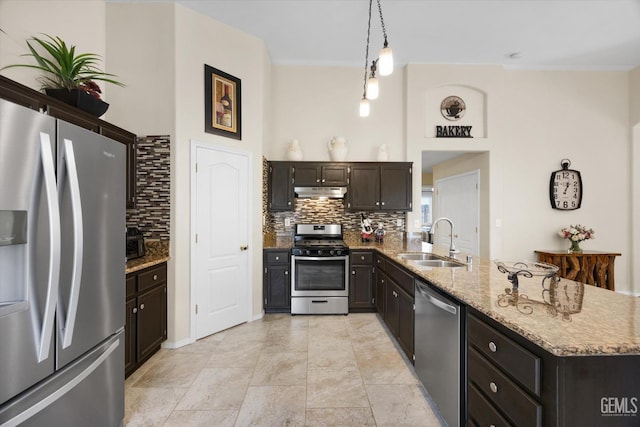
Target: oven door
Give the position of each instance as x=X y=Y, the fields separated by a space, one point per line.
x=319 y=276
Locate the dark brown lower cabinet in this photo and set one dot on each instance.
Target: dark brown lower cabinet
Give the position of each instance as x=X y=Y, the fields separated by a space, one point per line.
x=395 y=302
x=276 y=283
x=361 y=282
x=512 y=381
x=146 y=318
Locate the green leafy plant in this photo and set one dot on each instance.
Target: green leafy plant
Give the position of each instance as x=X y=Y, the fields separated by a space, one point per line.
x=63 y=68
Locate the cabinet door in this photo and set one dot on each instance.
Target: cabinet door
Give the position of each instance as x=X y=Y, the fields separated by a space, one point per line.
x=307 y=174
x=406 y=320
x=130 y=327
x=380 y=295
x=361 y=287
x=277 y=294
x=395 y=187
x=280 y=186
x=391 y=313
x=334 y=175
x=364 y=187
x=152 y=321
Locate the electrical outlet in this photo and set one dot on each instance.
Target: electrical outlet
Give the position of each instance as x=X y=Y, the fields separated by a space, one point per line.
x=416 y=223
x=398 y=222
x=287 y=222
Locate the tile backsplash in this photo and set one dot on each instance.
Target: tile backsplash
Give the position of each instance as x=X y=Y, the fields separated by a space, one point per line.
x=152 y=211
x=330 y=211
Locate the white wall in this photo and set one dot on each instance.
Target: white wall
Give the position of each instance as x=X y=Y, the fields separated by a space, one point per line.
x=314 y=104
x=536 y=118
x=634 y=122
x=21 y=20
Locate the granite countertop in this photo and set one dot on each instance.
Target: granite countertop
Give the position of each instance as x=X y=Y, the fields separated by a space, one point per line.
x=156 y=252
x=605 y=323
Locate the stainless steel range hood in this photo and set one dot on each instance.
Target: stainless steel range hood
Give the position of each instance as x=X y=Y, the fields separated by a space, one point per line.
x=320 y=192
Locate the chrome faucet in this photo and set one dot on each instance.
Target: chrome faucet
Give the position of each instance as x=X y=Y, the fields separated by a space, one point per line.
x=452 y=249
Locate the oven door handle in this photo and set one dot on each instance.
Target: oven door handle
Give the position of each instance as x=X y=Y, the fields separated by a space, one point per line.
x=319 y=258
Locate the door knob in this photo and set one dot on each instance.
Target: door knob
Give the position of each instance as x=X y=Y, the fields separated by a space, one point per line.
x=244 y=247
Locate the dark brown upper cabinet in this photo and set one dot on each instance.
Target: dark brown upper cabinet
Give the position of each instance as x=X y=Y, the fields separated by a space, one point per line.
x=280 y=186
x=380 y=187
x=311 y=174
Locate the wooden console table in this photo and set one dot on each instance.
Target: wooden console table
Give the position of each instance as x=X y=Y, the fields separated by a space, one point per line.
x=590 y=267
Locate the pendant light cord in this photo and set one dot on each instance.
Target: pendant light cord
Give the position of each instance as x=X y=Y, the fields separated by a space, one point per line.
x=366 y=56
x=384 y=29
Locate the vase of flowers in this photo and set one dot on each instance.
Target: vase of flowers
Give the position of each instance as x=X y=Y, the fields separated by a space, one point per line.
x=576 y=234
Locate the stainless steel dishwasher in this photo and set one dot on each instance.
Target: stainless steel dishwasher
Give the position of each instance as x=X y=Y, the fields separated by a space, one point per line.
x=437 y=350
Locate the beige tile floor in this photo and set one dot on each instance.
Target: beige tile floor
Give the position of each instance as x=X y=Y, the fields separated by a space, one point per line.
x=282 y=370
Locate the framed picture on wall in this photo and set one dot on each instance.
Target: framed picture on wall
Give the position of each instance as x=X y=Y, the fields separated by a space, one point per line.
x=222 y=103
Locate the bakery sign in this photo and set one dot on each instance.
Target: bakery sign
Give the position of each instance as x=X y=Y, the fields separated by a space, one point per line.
x=453 y=109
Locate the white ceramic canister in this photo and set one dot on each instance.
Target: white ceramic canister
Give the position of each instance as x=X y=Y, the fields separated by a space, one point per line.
x=294 y=152
x=383 y=154
x=338 y=148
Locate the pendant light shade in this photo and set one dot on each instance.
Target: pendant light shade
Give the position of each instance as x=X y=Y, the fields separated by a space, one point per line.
x=373 y=89
x=385 y=61
x=364 y=107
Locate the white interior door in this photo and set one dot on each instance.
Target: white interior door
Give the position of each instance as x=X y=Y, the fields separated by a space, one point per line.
x=221 y=269
x=457 y=198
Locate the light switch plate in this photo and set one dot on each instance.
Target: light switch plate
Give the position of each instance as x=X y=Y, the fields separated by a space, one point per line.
x=287 y=222
x=399 y=222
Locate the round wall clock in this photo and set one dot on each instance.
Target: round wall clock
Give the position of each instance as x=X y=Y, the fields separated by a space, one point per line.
x=565 y=188
x=453 y=108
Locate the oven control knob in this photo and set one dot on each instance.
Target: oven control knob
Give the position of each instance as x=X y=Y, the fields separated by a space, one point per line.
x=308 y=252
x=319 y=251
x=332 y=252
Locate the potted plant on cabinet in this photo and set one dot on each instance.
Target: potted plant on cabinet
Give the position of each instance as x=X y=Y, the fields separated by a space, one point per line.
x=67 y=75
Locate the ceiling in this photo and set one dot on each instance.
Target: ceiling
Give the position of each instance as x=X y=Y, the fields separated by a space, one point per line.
x=547 y=34
x=519 y=34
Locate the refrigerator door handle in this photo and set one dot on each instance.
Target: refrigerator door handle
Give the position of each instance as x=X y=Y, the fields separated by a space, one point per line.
x=46 y=332
x=78 y=239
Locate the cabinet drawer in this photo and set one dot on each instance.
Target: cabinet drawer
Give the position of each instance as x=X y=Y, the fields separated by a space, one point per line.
x=361 y=258
x=514 y=359
x=516 y=404
x=401 y=277
x=482 y=412
x=278 y=257
x=152 y=277
x=131 y=286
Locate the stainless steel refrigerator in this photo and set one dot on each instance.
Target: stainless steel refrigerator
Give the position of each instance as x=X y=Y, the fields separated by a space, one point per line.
x=62 y=261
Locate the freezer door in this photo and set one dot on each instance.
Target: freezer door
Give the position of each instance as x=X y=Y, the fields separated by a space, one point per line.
x=91 y=185
x=29 y=249
x=87 y=392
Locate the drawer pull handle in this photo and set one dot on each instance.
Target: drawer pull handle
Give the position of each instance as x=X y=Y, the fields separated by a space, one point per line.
x=493 y=387
x=155 y=277
x=353 y=272
x=141 y=306
x=277 y=258
x=493 y=347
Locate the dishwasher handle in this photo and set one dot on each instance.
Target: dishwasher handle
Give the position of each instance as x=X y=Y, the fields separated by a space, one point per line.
x=435 y=301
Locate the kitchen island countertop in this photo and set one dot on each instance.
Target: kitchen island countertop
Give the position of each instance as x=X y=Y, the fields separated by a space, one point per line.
x=603 y=323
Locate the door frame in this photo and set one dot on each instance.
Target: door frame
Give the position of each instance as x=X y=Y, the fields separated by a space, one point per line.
x=474 y=172
x=195 y=145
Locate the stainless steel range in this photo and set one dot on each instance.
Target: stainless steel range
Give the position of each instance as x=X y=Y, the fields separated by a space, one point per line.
x=319 y=270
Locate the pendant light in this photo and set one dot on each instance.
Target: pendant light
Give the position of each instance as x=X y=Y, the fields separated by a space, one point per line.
x=383 y=64
x=364 y=102
x=373 y=89
x=385 y=58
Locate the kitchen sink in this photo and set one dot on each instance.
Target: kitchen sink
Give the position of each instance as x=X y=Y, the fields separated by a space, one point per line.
x=419 y=256
x=437 y=263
